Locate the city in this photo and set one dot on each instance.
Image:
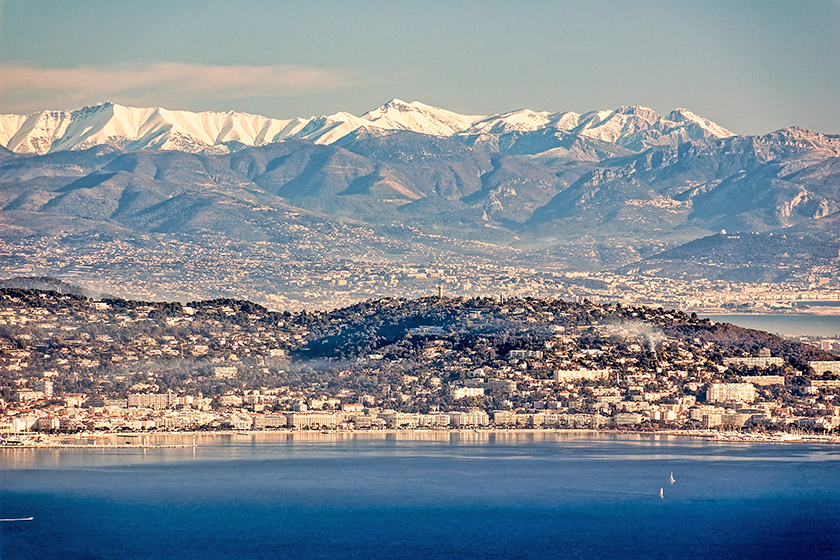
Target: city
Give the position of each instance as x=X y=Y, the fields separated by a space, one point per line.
x=325 y=269
x=75 y=365
x=419 y=280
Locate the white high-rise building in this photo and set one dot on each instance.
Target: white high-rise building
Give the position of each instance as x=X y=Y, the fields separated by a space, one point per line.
x=730 y=392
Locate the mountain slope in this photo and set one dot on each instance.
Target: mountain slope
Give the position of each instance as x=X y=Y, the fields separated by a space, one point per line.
x=743 y=257
x=133 y=128
x=603 y=133
x=418 y=117
x=604 y=188
x=743 y=182
x=138 y=128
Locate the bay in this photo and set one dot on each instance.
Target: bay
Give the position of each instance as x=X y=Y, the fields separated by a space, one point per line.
x=818 y=303
x=785 y=323
x=424 y=495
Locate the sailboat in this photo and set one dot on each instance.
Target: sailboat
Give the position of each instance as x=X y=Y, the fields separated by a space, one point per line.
x=672 y=479
x=661 y=492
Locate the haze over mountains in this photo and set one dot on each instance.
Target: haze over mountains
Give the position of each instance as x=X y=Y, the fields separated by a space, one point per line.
x=592 y=191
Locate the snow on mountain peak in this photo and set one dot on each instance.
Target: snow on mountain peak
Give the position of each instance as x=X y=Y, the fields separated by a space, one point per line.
x=684 y=116
x=397 y=103
x=634 y=127
x=640 y=111
x=419 y=117
x=638 y=127
x=138 y=128
x=521 y=120
x=612 y=126
x=803 y=139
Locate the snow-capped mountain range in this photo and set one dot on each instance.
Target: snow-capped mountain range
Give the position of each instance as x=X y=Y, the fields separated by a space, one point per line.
x=635 y=128
x=598 y=189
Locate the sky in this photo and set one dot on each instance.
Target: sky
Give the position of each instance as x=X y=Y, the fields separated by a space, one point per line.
x=752 y=66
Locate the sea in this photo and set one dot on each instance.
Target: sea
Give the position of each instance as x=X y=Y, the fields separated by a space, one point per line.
x=423 y=495
x=792 y=324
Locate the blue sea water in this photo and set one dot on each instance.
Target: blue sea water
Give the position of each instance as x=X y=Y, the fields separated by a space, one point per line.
x=424 y=496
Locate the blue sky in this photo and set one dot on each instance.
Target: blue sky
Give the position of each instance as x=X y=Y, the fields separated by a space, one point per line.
x=751 y=65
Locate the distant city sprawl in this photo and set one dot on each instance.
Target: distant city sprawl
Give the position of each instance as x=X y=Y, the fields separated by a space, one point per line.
x=324 y=269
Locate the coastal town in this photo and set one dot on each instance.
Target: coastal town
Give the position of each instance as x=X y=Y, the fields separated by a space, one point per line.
x=70 y=364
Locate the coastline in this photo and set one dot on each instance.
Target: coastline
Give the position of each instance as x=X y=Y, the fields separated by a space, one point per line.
x=191 y=439
x=814 y=310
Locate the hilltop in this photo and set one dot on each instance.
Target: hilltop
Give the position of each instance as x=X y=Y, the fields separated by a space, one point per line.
x=423 y=356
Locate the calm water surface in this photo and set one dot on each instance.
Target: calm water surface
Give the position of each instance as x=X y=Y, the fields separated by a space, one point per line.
x=792 y=323
x=424 y=496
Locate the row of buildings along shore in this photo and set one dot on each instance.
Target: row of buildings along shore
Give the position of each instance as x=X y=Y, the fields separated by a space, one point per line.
x=725 y=405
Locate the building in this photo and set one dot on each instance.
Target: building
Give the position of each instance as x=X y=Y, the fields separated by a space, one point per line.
x=231 y=400
x=224 y=372
x=504 y=418
x=401 y=420
x=505 y=385
x=74 y=399
x=470 y=419
x=361 y=421
x=663 y=414
x=707 y=416
x=825 y=383
x=764 y=380
x=28 y=396
x=763 y=360
x=152 y=400
x=823 y=367
x=734 y=419
x=627 y=419
x=426 y=330
x=536 y=420
x=730 y=392
x=566 y=375
x=44 y=386
x=313 y=420
x=523 y=354
x=462 y=392
x=266 y=421
x=48 y=423
x=436 y=420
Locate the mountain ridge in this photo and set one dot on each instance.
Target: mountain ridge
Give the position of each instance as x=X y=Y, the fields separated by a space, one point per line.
x=576 y=192
x=133 y=128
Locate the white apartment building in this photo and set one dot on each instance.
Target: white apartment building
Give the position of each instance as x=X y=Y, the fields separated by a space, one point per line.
x=730 y=392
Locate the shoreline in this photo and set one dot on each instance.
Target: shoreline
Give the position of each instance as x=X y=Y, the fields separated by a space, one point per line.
x=814 y=310
x=107 y=440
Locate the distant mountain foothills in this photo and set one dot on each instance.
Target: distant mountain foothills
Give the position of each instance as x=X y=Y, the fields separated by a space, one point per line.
x=152 y=191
